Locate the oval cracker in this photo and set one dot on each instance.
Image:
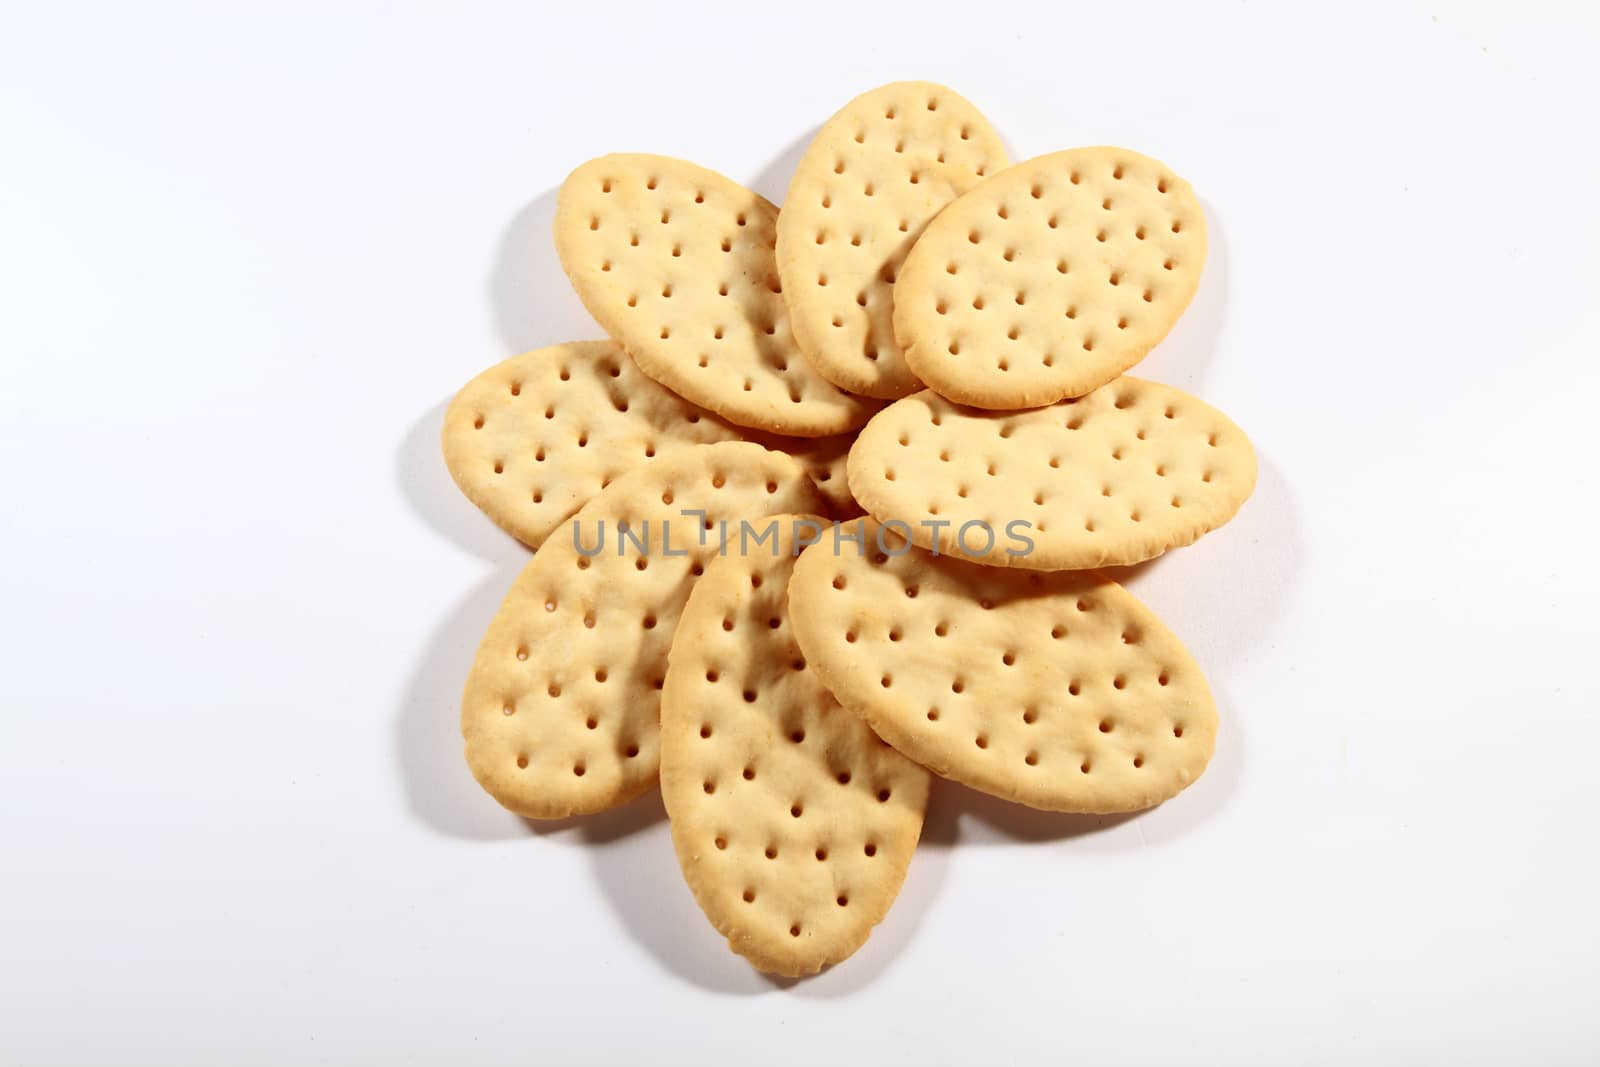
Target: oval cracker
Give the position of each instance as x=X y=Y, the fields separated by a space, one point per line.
x=1050 y=278
x=1111 y=478
x=793 y=822
x=1059 y=691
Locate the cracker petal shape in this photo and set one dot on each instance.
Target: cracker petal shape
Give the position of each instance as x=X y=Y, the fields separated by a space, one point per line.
x=793 y=822
x=1059 y=691
x=876 y=172
x=1050 y=278
x=677 y=263
x=532 y=438
x=561 y=708
x=1115 y=477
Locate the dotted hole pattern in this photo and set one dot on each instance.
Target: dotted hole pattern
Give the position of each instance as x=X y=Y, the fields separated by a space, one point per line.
x=677 y=262
x=795 y=822
x=1059 y=690
x=876 y=173
x=533 y=438
x=561 y=709
x=1114 y=477
x=1052 y=279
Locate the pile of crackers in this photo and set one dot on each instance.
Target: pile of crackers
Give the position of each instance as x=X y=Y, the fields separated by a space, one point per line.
x=821 y=518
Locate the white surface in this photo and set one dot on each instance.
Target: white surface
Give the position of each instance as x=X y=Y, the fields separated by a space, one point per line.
x=247 y=258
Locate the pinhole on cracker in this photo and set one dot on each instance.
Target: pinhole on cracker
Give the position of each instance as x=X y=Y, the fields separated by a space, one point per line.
x=825 y=460
x=1060 y=691
x=793 y=822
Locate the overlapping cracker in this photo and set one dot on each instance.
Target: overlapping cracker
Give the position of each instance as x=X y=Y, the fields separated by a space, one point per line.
x=877 y=171
x=531 y=439
x=561 y=709
x=793 y=822
x=676 y=262
x=1050 y=278
x=1118 y=476
x=1059 y=691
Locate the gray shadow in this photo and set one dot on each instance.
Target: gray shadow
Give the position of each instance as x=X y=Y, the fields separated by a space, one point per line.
x=637 y=870
x=1247 y=569
x=606 y=827
x=1185 y=356
x=924 y=880
x=958 y=814
x=772 y=180
x=1211 y=792
x=950 y=808
x=998 y=821
x=1253 y=573
x=428 y=488
x=439 y=788
x=639 y=875
x=533 y=303
x=1129 y=573
x=1012 y=158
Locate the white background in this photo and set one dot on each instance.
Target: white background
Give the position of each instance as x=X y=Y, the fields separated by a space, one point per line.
x=245 y=259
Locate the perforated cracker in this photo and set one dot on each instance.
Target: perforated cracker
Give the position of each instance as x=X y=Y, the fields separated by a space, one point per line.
x=561 y=709
x=1059 y=691
x=793 y=822
x=877 y=171
x=676 y=262
x=1118 y=476
x=531 y=439
x=1050 y=278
